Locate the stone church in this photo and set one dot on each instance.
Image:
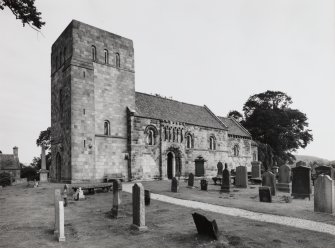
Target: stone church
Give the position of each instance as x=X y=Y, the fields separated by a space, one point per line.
x=101 y=127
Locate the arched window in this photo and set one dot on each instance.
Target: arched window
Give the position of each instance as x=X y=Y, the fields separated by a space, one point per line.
x=117 y=60
x=173 y=134
x=212 y=143
x=166 y=133
x=181 y=136
x=106 y=56
x=94 y=53
x=106 y=128
x=151 y=133
x=236 y=150
x=189 y=141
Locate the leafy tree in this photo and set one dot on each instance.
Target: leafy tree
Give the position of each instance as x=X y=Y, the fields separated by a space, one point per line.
x=30 y=173
x=24 y=10
x=44 y=138
x=272 y=122
x=236 y=115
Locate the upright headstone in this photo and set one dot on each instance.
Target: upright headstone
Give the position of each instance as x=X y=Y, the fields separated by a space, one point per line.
x=57 y=199
x=61 y=233
x=220 y=169
x=269 y=179
x=301 y=182
x=147 y=197
x=116 y=198
x=190 y=180
x=324 y=194
x=205 y=227
x=66 y=187
x=265 y=194
x=241 y=179
x=284 y=178
x=138 y=208
x=225 y=183
x=174 y=185
x=256 y=169
x=43 y=171
x=326 y=170
x=203 y=184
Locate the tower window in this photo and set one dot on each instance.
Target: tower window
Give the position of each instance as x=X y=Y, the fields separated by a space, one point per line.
x=94 y=53
x=106 y=128
x=106 y=57
x=212 y=143
x=117 y=60
x=189 y=141
x=151 y=133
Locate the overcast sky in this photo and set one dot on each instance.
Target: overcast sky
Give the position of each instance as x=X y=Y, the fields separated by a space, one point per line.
x=209 y=52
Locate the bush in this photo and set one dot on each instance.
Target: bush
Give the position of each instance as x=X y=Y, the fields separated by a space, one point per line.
x=30 y=173
x=5 y=179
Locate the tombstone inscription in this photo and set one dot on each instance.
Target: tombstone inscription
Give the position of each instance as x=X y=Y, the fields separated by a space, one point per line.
x=324 y=194
x=241 y=179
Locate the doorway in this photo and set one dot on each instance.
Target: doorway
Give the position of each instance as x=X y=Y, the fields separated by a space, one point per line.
x=170 y=164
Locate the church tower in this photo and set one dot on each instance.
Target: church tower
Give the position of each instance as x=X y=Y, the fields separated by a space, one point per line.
x=92 y=85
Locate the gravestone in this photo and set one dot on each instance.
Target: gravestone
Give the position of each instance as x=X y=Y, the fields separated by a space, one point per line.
x=190 y=180
x=256 y=169
x=326 y=170
x=220 y=169
x=43 y=171
x=79 y=195
x=301 y=182
x=147 y=197
x=138 y=208
x=57 y=198
x=66 y=187
x=205 y=227
x=324 y=195
x=61 y=233
x=225 y=183
x=265 y=194
x=116 y=197
x=284 y=178
x=174 y=185
x=269 y=179
x=203 y=184
x=241 y=179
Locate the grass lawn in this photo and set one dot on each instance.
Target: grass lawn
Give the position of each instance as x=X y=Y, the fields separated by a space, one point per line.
x=27 y=219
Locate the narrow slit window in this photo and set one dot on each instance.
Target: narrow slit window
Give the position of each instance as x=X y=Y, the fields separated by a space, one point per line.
x=106 y=57
x=117 y=60
x=106 y=128
x=94 y=53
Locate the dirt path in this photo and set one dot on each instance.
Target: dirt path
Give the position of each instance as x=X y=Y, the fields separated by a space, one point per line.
x=282 y=220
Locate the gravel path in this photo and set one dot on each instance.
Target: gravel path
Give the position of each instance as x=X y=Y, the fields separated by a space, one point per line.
x=276 y=219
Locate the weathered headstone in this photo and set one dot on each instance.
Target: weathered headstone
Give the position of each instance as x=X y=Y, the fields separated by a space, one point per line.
x=190 y=180
x=256 y=169
x=147 y=197
x=205 y=227
x=174 y=185
x=301 y=182
x=65 y=194
x=265 y=194
x=225 y=183
x=61 y=233
x=203 y=184
x=57 y=198
x=326 y=170
x=220 y=169
x=269 y=179
x=241 y=179
x=324 y=194
x=138 y=208
x=43 y=171
x=284 y=178
x=116 y=198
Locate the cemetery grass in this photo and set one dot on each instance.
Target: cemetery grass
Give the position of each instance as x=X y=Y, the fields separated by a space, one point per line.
x=27 y=219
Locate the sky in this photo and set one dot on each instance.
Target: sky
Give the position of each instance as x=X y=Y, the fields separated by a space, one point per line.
x=206 y=52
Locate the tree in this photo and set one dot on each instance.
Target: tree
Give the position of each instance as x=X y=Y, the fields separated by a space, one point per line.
x=24 y=10
x=272 y=122
x=236 y=115
x=44 y=138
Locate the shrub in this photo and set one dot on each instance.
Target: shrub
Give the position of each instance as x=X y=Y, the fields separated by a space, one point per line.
x=5 y=179
x=30 y=173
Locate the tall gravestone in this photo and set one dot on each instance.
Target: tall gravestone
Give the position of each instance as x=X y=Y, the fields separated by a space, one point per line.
x=301 y=182
x=324 y=194
x=241 y=179
x=220 y=169
x=116 y=197
x=256 y=169
x=174 y=185
x=269 y=180
x=57 y=199
x=138 y=208
x=284 y=178
x=43 y=171
x=225 y=182
x=61 y=232
x=265 y=194
x=190 y=180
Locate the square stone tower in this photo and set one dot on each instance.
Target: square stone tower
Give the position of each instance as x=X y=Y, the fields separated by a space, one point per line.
x=92 y=85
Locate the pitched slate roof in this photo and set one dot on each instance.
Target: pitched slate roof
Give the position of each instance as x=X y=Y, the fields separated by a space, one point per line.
x=157 y=107
x=234 y=128
x=9 y=162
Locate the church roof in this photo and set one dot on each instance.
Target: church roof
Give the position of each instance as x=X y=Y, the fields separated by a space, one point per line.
x=234 y=128
x=9 y=162
x=157 y=107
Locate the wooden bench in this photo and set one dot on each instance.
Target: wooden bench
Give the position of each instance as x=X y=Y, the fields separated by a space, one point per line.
x=91 y=188
x=114 y=176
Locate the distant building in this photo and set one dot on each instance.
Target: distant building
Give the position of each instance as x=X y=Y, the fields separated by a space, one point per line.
x=10 y=163
x=100 y=126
